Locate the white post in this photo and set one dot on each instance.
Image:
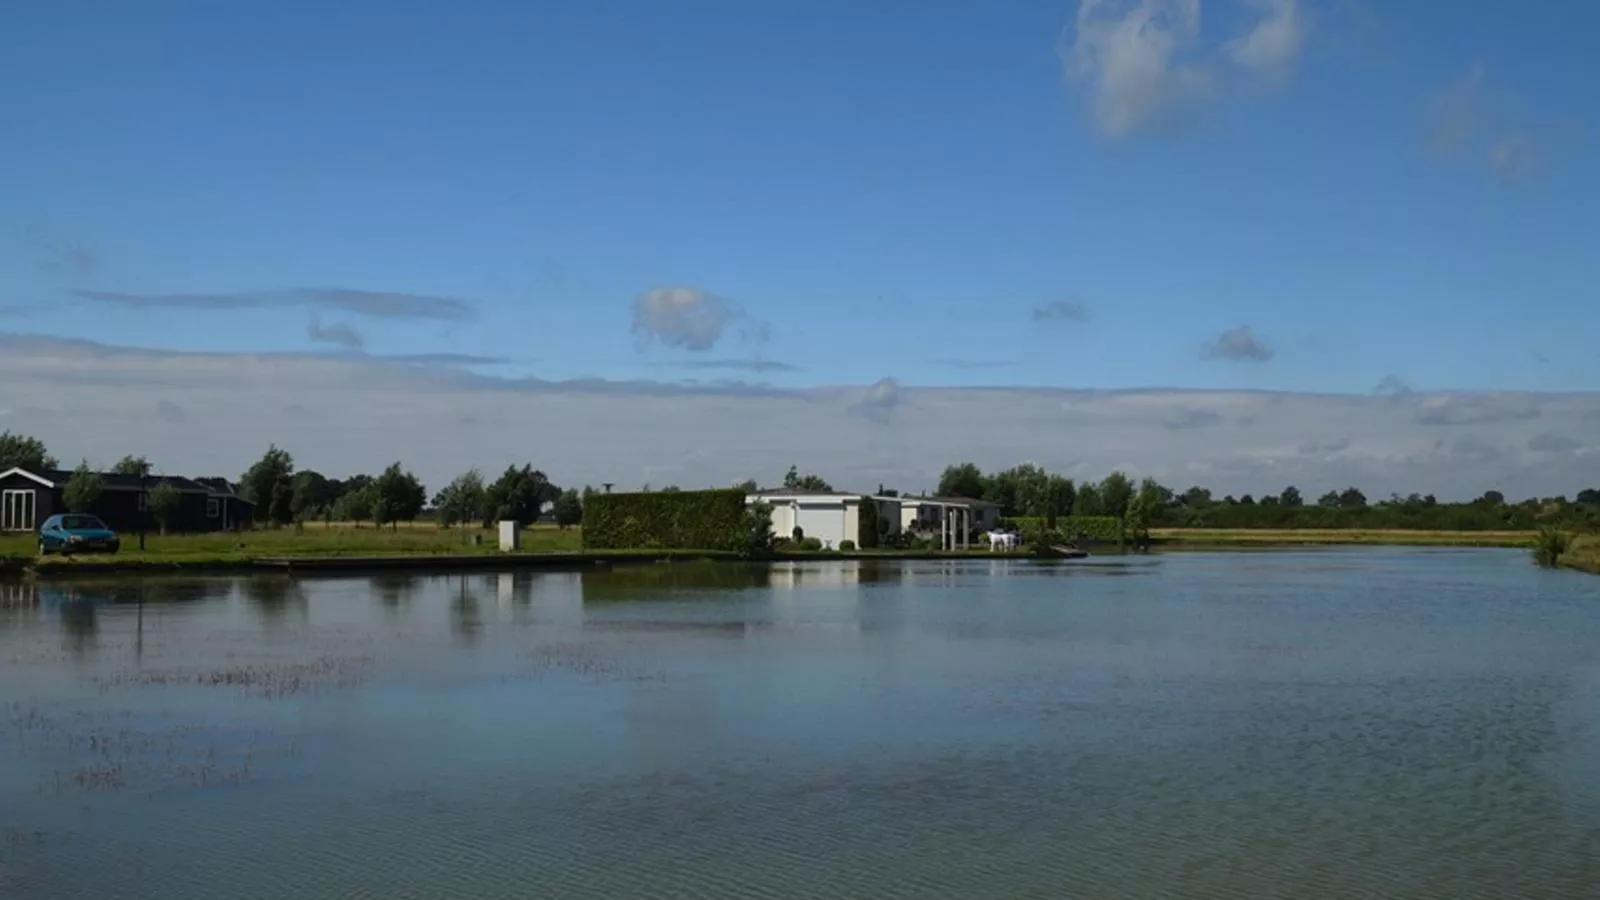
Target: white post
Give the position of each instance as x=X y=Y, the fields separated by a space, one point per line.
x=510 y=536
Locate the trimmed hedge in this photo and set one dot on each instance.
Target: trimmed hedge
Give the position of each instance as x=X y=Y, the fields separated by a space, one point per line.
x=666 y=520
x=1094 y=528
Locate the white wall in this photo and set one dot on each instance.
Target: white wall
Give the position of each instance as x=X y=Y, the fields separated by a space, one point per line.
x=831 y=521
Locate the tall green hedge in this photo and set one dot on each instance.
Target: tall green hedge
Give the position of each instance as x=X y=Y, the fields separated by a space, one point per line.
x=665 y=520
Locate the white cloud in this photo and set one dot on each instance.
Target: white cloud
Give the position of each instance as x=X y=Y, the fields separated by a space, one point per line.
x=880 y=401
x=1144 y=64
x=1273 y=46
x=688 y=318
x=339 y=333
x=1238 y=345
x=1130 y=57
x=215 y=413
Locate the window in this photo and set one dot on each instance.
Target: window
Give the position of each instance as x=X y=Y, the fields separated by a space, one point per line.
x=17 y=509
x=213 y=508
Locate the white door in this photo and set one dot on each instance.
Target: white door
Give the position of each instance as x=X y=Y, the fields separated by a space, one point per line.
x=17 y=509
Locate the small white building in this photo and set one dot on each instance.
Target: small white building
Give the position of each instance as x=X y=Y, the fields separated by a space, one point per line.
x=832 y=517
x=954 y=519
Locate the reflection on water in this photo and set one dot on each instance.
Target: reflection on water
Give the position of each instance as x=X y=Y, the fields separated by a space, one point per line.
x=1315 y=725
x=276 y=599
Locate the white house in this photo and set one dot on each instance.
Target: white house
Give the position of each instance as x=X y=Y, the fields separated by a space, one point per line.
x=832 y=517
x=954 y=519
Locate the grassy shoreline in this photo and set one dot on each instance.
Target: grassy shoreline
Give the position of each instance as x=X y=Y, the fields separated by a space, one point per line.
x=1583 y=554
x=344 y=547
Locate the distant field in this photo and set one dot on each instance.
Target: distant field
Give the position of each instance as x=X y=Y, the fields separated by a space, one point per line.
x=317 y=539
x=1268 y=537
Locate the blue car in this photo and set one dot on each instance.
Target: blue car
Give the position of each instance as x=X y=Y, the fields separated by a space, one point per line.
x=76 y=533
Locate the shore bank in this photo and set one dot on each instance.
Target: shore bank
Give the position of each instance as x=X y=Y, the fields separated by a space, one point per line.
x=1583 y=554
x=369 y=550
x=131 y=564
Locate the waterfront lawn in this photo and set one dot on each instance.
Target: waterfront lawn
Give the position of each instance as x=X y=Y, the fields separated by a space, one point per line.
x=315 y=539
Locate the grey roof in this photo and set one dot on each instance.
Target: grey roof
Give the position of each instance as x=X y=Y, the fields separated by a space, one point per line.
x=958 y=501
x=804 y=492
x=112 y=481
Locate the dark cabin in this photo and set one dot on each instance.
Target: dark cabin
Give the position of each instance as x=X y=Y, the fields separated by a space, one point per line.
x=29 y=497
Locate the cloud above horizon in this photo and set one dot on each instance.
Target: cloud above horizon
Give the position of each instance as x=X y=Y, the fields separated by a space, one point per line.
x=1237 y=345
x=686 y=318
x=217 y=412
x=754 y=366
x=1144 y=64
x=373 y=304
x=339 y=333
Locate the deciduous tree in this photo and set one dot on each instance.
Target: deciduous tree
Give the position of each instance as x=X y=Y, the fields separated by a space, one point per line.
x=269 y=485
x=518 y=494
x=20 y=451
x=164 y=501
x=962 y=480
x=132 y=465
x=1351 y=498
x=83 y=489
x=569 y=509
x=462 y=500
x=397 y=496
x=793 y=480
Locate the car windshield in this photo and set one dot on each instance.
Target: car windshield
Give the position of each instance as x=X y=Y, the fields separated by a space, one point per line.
x=75 y=523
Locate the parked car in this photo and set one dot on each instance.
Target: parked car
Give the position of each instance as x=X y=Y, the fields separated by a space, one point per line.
x=76 y=533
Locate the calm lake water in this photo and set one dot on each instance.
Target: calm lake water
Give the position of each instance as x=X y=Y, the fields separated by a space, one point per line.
x=1322 y=724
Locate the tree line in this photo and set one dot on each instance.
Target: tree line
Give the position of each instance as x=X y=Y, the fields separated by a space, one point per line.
x=1029 y=491
x=285 y=495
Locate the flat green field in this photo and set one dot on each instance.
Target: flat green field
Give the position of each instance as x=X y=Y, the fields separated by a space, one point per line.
x=315 y=539
x=1270 y=537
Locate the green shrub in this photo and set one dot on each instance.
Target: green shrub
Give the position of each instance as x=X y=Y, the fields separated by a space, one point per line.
x=809 y=545
x=670 y=520
x=1550 y=545
x=847 y=546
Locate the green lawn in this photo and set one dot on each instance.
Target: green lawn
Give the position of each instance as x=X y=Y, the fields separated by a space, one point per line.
x=313 y=540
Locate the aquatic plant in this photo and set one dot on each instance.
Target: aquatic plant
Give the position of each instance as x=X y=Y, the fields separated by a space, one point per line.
x=1549 y=546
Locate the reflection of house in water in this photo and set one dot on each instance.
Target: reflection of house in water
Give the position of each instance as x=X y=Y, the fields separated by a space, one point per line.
x=19 y=594
x=815 y=574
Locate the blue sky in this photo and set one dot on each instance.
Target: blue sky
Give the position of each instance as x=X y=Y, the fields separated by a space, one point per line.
x=1283 y=195
x=887 y=190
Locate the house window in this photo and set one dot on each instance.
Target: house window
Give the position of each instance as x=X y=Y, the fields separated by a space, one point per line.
x=213 y=507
